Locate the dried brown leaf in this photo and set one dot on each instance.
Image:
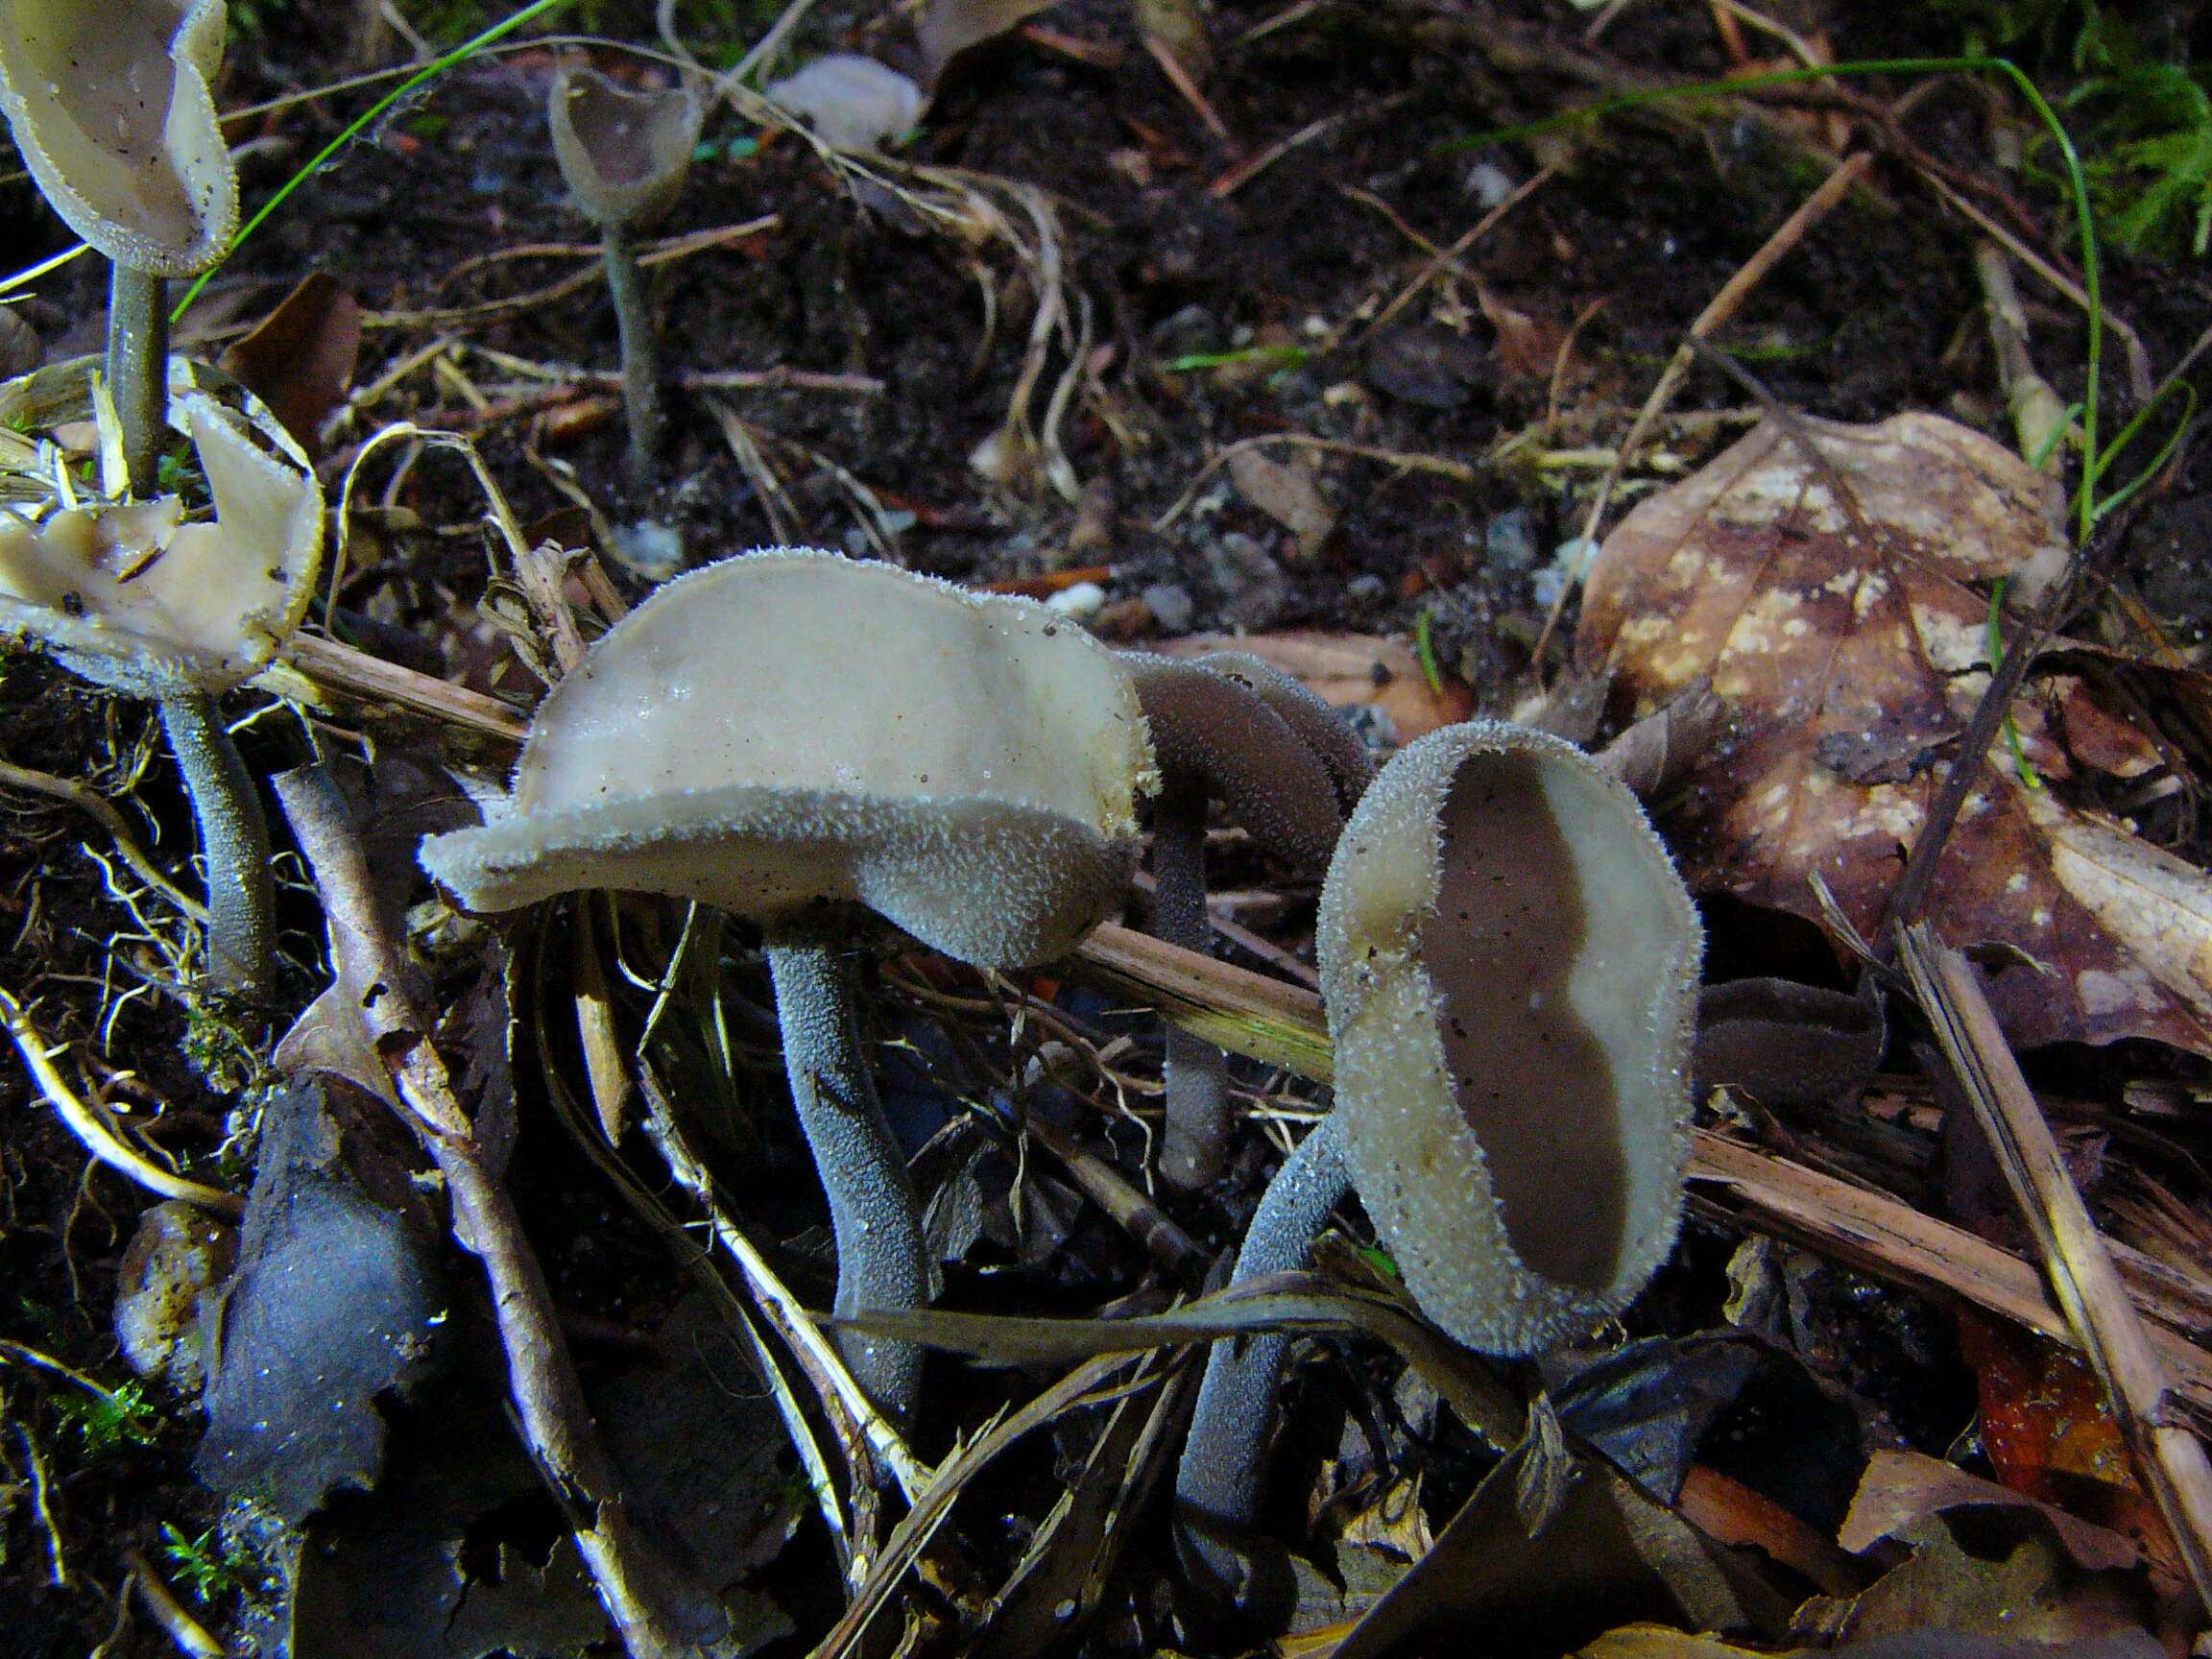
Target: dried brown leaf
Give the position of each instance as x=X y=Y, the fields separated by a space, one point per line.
x=1349 y=670
x=1831 y=601
x=1289 y=492
x=300 y=359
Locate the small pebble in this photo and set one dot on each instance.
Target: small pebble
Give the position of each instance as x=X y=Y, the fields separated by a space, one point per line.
x=1084 y=600
x=1254 y=590
x=1489 y=183
x=1172 y=607
x=1568 y=567
x=648 y=548
x=1509 y=542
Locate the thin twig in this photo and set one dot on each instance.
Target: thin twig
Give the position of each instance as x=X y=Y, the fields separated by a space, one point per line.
x=858 y=1422
x=935 y=1505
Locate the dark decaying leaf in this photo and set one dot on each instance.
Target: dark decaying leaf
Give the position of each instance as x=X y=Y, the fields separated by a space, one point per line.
x=1990 y=1571
x=300 y=360
x=447 y=1558
x=1833 y=581
x=336 y=1301
x=1647 y=1405
x=1609 y=1555
x=1901 y=1488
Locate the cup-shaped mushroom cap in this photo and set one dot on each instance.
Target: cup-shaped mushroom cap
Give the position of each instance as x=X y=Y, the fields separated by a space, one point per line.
x=1299 y=706
x=135 y=597
x=111 y=107
x=1212 y=730
x=791 y=727
x=623 y=151
x=1510 y=963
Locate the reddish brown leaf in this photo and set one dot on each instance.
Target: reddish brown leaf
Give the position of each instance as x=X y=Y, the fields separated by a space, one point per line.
x=1831 y=603
x=300 y=361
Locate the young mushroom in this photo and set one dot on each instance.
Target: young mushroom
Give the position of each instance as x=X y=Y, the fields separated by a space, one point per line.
x=1510 y=966
x=1230 y=728
x=624 y=154
x=135 y=598
x=790 y=733
x=111 y=106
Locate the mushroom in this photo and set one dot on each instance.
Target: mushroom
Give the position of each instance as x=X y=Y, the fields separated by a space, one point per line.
x=135 y=597
x=1231 y=728
x=1511 y=967
x=624 y=154
x=111 y=106
x=789 y=733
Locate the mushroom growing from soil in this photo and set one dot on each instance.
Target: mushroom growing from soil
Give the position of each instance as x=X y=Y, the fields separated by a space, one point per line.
x=791 y=733
x=1510 y=966
x=135 y=597
x=111 y=106
x=624 y=154
x=1231 y=728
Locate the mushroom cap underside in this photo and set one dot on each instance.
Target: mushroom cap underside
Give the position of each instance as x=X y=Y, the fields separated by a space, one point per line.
x=111 y=109
x=992 y=883
x=1511 y=964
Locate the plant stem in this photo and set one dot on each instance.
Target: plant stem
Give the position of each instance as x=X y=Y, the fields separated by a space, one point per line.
x=235 y=842
x=1217 y=1482
x=138 y=369
x=882 y=1260
x=1194 y=1074
x=641 y=371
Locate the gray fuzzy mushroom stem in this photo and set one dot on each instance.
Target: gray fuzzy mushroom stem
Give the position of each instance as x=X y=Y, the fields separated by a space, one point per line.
x=1218 y=1483
x=138 y=369
x=1194 y=1074
x=882 y=1258
x=233 y=840
x=640 y=363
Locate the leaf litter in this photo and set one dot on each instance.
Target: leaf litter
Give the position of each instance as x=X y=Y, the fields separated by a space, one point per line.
x=1608 y=1510
x=1840 y=588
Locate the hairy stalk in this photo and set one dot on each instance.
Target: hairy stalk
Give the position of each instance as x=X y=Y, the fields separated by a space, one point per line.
x=1194 y=1074
x=640 y=370
x=138 y=369
x=882 y=1260
x=235 y=842
x=1218 y=1483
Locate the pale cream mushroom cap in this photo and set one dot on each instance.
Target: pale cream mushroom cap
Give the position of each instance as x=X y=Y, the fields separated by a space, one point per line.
x=790 y=726
x=623 y=152
x=111 y=106
x=133 y=597
x=1511 y=964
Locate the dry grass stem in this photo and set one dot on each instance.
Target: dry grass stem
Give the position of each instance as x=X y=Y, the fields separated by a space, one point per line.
x=2106 y=1322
